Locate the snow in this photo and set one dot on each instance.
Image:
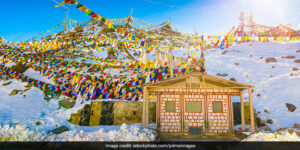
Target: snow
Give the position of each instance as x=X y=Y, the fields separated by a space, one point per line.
x=285 y=136
x=123 y=133
x=19 y=114
x=275 y=91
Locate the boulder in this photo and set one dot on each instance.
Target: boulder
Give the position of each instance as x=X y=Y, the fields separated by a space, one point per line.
x=290 y=107
x=38 y=123
x=59 y=130
x=232 y=79
x=223 y=53
x=295 y=69
x=266 y=128
x=66 y=104
x=19 y=67
x=270 y=59
x=273 y=66
x=297 y=61
x=269 y=121
x=281 y=129
x=14 y=92
x=222 y=74
x=298 y=51
x=291 y=130
x=267 y=111
x=236 y=64
x=288 y=57
x=6 y=83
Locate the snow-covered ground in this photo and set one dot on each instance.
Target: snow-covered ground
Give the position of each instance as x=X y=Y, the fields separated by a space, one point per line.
x=285 y=136
x=19 y=113
x=274 y=91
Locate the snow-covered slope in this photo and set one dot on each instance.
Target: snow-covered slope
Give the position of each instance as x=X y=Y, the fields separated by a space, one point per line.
x=274 y=91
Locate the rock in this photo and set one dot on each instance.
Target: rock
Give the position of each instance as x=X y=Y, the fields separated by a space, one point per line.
x=7 y=83
x=290 y=107
x=288 y=57
x=291 y=74
x=59 y=130
x=261 y=57
x=270 y=59
x=38 y=123
x=269 y=121
x=19 y=67
x=295 y=69
x=14 y=92
x=297 y=61
x=232 y=79
x=297 y=126
x=298 y=51
x=258 y=95
x=273 y=66
x=291 y=130
x=223 y=53
x=66 y=104
x=267 y=111
x=279 y=133
x=236 y=64
x=266 y=128
x=271 y=76
x=222 y=75
x=28 y=86
x=280 y=129
x=240 y=134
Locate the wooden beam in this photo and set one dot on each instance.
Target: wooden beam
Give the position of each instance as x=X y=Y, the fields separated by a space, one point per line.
x=242 y=111
x=251 y=111
x=144 y=118
x=147 y=108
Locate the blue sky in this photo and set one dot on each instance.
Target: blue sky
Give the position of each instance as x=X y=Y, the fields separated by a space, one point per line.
x=24 y=19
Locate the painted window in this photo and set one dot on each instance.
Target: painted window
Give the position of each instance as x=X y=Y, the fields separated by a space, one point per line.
x=217 y=107
x=170 y=106
x=193 y=106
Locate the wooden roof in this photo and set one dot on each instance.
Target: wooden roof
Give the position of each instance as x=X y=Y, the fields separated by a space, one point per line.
x=217 y=82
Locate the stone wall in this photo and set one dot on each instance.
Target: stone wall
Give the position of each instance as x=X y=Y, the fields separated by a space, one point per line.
x=112 y=113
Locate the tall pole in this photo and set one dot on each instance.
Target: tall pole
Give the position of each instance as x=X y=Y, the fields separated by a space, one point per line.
x=188 y=42
x=171 y=59
x=66 y=19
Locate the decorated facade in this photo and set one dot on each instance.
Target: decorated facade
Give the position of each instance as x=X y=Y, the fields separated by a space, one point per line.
x=195 y=105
